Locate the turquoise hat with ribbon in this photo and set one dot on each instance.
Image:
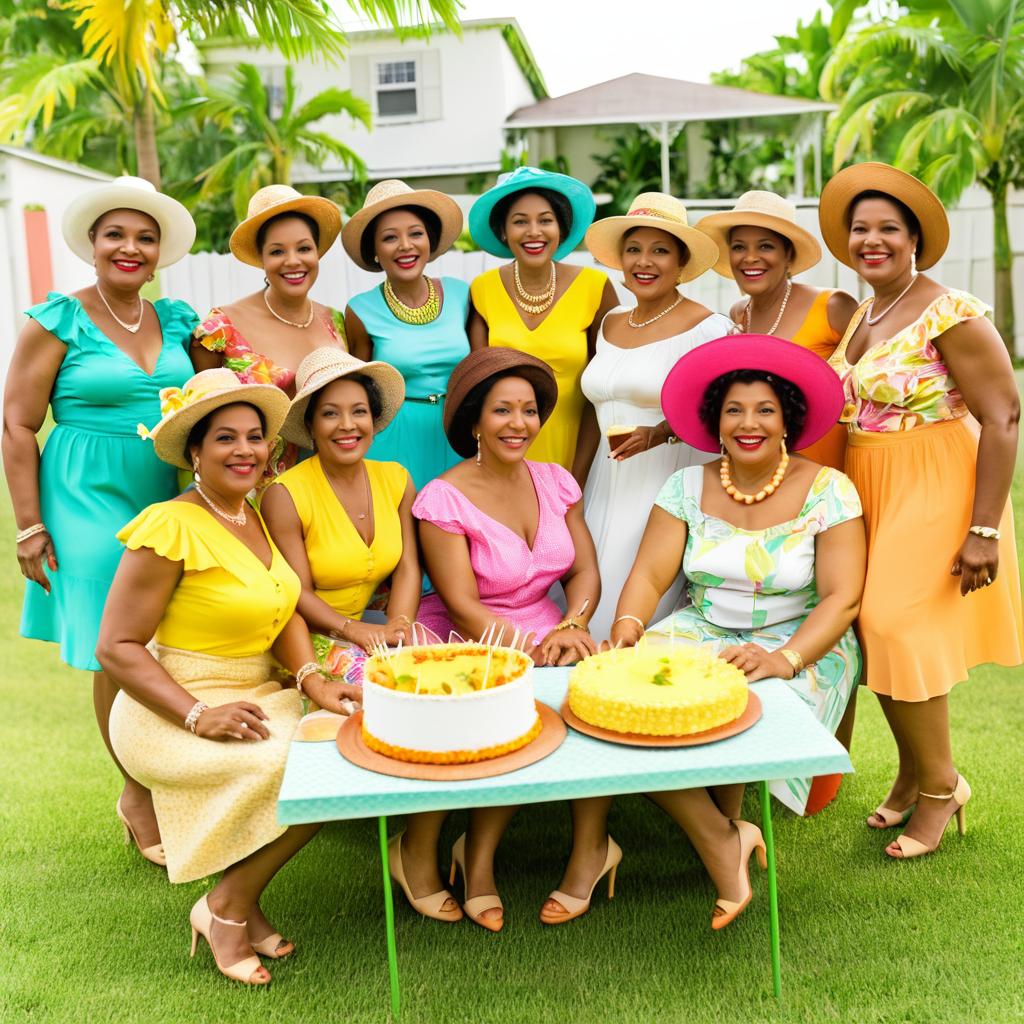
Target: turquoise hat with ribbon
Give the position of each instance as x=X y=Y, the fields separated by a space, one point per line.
x=524 y=179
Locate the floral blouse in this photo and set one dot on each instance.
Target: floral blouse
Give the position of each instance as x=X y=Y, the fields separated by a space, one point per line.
x=902 y=382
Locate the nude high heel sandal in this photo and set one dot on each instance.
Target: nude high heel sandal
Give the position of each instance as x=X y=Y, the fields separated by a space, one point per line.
x=891 y=817
x=154 y=854
x=575 y=907
x=909 y=847
x=249 y=970
x=726 y=911
x=428 y=906
x=476 y=906
x=274 y=947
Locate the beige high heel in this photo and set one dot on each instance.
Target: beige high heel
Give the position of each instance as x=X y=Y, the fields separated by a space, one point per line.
x=428 y=906
x=201 y=918
x=910 y=847
x=750 y=840
x=476 y=906
x=270 y=947
x=891 y=817
x=574 y=907
x=154 y=854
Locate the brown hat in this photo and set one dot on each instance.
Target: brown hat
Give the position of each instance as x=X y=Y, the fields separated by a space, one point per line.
x=480 y=366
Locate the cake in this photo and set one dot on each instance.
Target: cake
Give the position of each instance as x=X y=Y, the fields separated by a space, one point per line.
x=449 y=703
x=617 y=433
x=657 y=691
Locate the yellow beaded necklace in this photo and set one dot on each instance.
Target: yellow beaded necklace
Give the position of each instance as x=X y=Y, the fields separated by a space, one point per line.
x=430 y=310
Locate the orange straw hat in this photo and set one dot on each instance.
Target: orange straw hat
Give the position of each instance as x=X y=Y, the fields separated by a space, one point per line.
x=272 y=201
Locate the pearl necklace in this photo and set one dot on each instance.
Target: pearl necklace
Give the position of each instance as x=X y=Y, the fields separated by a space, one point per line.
x=290 y=323
x=657 y=316
x=533 y=303
x=237 y=520
x=425 y=314
x=749 y=499
x=130 y=328
x=872 y=320
x=778 y=319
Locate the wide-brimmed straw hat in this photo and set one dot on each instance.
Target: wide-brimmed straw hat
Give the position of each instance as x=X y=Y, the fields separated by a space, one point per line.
x=477 y=367
x=177 y=228
x=844 y=187
x=761 y=210
x=182 y=408
x=689 y=379
x=652 y=210
x=272 y=201
x=392 y=193
x=327 y=364
x=525 y=179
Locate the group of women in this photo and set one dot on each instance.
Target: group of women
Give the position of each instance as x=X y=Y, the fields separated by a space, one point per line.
x=685 y=482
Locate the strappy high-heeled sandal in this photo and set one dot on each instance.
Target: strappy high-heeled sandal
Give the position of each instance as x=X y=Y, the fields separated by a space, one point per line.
x=428 y=906
x=154 y=854
x=574 y=907
x=726 y=911
x=910 y=847
x=274 y=947
x=891 y=817
x=248 y=970
x=477 y=905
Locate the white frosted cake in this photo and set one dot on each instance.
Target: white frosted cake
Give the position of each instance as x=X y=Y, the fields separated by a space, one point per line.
x=449 y=703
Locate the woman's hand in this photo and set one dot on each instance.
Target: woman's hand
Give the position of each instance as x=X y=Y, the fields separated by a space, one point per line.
x=757 y=663
x=239 y=720
x=976 y=563
x=33 y=555
x=341 y=698
x=564 y=647
x=365 y=634
x=625 y=633
x=397 y=629
x=641 y=440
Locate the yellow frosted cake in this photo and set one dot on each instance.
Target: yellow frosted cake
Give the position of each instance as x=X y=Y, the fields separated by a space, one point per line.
x=449 y=703
x=657 y=691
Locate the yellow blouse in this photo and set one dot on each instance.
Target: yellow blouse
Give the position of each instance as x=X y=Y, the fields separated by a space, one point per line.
x=345 y=571
x=227 y=603
x=560 y=340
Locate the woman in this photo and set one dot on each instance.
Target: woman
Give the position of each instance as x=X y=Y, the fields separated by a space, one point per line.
x=656 y=251
x=762 y=248
x=264 y=336
x=99 y=358
x=199 y=719
x=497 y=532
x=412 y=321
x=943 y=591
x=538 y=305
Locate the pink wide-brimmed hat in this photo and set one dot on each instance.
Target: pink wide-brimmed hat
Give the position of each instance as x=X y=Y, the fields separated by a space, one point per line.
x=689 y=379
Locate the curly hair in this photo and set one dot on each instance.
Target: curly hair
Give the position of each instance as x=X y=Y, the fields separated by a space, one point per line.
x=791 y=399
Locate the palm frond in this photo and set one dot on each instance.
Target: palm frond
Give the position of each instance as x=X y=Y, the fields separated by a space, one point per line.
x=39 y=84
x=334 y=101
x=315 y=146
x=856 y=134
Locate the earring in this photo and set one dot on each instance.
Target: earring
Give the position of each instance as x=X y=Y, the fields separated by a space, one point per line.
x=152 y=277
x=266 y=283
x=376 y=259
x=913 y=262
x=478 y=449
x=721 y=445
x=195 y=470
x=782 y=444
x=681 y=276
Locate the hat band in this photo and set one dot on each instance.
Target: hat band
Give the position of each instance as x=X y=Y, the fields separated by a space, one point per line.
x=318 y=376
x=653 y=211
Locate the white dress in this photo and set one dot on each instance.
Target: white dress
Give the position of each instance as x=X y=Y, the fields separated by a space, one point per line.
x=624 y=386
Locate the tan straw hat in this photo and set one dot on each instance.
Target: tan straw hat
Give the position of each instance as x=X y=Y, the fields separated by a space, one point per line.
x=652 y=210
x=182 y=408
x=761 y=210
x=329 y=363
x=389 y=194
x=838 y=195
x=272 y=201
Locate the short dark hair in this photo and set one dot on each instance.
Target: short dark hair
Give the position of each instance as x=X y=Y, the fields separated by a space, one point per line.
x=370 y=386
x=561 y=207
x=681 y=246
x=314 y=228
x=198 y=433
x=431 y=222
x=792 y=402
x=908 y=215
x=788 y=247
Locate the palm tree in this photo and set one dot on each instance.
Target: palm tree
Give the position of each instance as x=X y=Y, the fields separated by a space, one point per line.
x=939 y=92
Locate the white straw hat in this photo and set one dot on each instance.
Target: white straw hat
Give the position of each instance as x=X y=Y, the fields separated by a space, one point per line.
x=272 y=201
x=177 y=229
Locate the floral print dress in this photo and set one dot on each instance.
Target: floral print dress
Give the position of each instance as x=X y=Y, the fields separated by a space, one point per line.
x=758 y=586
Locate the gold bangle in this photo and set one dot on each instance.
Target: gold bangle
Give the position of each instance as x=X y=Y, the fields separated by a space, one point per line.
x=631 y=618
x=794 y=658
x=570 y=623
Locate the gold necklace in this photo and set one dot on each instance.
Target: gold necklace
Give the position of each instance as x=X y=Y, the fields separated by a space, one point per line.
x=749 y=499
x=134 y=328
x=778 y=320
x=429 y=311
x=290 y=323
x=528 y=302
x=657 y=316
x=872 y=320
x=237 y=520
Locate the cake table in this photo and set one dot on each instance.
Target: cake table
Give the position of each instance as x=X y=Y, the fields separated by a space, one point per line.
x=788 y=741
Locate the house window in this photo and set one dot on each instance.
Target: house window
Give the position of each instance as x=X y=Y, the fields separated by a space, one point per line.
x=396 y=89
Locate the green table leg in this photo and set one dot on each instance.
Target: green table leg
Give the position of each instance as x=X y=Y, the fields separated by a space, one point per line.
x=389 y=916
x=773 y=892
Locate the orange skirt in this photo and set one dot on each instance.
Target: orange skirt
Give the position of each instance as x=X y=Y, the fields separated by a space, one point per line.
x=919 y=636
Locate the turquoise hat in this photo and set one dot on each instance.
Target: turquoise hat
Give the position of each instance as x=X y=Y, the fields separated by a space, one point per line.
x=522 y=179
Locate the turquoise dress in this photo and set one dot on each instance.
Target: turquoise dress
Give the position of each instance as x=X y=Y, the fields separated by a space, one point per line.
x=425 y=355
x=96 y=474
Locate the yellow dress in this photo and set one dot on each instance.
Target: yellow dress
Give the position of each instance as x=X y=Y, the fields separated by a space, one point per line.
x=215 y=801
x=345 y=570
x=560 y=340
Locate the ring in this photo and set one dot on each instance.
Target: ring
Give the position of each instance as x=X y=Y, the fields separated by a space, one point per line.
x=245 y=725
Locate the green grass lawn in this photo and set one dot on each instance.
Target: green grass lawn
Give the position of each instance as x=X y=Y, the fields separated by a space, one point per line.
x=89 y=931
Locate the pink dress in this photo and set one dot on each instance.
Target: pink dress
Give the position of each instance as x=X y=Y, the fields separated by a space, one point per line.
x=513 y=580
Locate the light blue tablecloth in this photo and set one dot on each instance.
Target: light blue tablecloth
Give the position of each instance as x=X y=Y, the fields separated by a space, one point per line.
x=320 y=785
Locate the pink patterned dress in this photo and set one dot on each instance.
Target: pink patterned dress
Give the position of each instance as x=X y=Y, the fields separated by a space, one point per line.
x=513 y=579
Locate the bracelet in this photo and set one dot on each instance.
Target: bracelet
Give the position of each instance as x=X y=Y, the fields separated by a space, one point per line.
x=340 y=633
x=192 y=718
x=304 y=672
x=570 y=623
x=795 y=658
x=29 y=531
x=672 y=439
x=988 y=532
x=631 y=618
